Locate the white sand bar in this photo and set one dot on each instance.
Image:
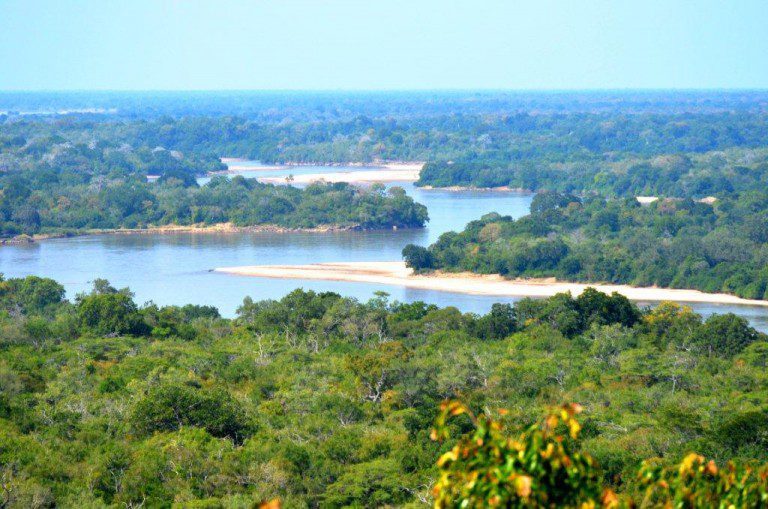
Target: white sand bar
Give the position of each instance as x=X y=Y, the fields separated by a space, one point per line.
x=397 y=274
x=390 y=173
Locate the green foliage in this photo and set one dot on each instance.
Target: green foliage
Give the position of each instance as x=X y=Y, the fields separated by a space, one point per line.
x=111 y=313
x=132 y=203
x=417 y=257
x=321 y=400
x=30 y=295
x=170 y=407
x=726 y=335
x=499 y=323
x=631 y=170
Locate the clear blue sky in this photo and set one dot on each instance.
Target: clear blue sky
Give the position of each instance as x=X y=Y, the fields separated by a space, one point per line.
x=382 y=44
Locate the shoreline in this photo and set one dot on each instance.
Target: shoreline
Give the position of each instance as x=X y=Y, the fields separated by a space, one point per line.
x=21 y=240
x=233 y=169
x=222 y=228
x=374 y=165
x=397 y=274
x=500 y=189
x=398 y=174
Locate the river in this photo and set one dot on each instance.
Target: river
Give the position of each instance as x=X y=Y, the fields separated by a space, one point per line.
x=175 y=268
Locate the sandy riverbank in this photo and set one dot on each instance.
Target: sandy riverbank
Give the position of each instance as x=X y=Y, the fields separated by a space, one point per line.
x=171 y=229
x=381 y=167
x=239 y=168
x=397 y=274
x=398 y=174
x=220 y=228
x=501 y=189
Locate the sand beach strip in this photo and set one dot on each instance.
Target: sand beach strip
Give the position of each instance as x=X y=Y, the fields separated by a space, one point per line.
x=385 y=173
x=397 y=274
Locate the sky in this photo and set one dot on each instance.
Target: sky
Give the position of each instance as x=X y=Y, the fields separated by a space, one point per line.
x=382 y=44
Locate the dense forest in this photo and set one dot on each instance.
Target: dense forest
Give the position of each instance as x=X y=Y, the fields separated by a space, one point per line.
x=501 y=139
x=679 y=243
x=317 y=400
x=87 y=171
x=50 y=184
x=682 y=175
x=40 y=204
x=320 y=400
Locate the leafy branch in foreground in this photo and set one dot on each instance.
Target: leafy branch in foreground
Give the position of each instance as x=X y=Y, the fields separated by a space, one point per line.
x=543 y=467
x=538 y=468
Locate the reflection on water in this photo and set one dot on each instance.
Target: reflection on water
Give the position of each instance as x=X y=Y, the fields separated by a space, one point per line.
x=175 y=268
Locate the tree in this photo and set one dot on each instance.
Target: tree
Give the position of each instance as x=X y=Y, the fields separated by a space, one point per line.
x=551 y=200
x=417 y=257
x=170 y=406
x=109 y=314
x=500 y=322
x=30 y=295
x=725 y=335
x=597 y=307
x=491 y=465
x=535 y=468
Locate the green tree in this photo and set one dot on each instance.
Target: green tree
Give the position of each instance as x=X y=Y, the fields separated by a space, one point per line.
x=418 y=258
x=109 y=314
x=725 y=335
x=168 y=407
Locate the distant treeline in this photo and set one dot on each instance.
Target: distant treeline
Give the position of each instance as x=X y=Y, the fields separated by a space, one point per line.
x=682 y=149
x=324 y=401
x=493 y=138
x=694 y=175
x=331 y=106
x=678 y=243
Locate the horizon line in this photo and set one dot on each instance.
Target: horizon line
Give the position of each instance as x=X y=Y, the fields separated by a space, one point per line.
x=382 y=90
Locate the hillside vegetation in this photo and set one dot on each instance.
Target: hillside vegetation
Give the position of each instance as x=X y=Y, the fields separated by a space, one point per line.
x=320 y=400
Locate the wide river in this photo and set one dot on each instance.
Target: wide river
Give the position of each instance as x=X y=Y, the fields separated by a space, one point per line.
x=175 y=268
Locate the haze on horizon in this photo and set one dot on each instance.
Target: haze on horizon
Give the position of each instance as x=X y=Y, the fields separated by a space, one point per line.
x=350 y=45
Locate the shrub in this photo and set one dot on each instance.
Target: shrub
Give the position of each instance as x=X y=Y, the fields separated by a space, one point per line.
x=169 y=407
x=110 y=314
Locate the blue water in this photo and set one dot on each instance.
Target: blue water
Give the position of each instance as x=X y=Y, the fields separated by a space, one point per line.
x=175 y=268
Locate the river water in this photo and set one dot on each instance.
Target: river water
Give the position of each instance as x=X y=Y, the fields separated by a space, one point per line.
x=175 y=268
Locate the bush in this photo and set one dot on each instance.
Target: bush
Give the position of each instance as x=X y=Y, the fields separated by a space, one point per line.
x=110 y=314
x=171 y=406
x=31 y=294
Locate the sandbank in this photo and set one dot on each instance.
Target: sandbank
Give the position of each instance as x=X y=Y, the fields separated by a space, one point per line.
x=501 y=189
x=397 y=274
x=172 y=228
x=352 y=177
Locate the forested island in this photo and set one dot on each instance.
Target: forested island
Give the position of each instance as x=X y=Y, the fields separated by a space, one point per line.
x=717 y=246
x=53 y=181
x=320 y=400
x=49 y=205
